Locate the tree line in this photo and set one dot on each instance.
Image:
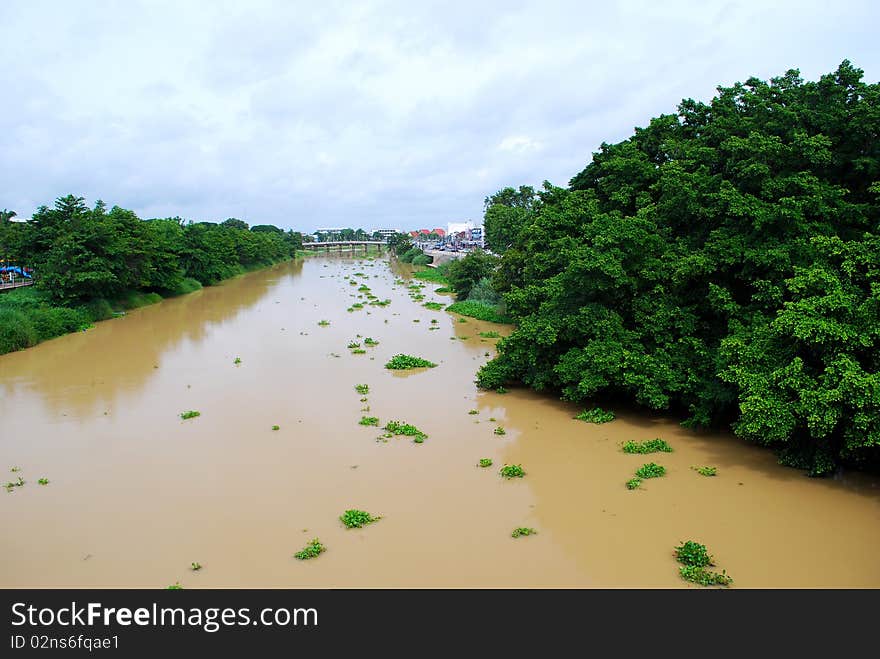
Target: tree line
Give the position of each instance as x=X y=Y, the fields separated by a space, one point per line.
x=88 y=261
x=722 y=263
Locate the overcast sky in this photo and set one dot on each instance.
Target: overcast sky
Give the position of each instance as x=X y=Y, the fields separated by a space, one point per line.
x=374 y=114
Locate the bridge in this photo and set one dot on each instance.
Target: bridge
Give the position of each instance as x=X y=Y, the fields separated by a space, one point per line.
x=343 y=245
x=8 y=286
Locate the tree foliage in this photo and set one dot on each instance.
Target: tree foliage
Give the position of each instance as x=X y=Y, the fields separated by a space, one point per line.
x=724 y=263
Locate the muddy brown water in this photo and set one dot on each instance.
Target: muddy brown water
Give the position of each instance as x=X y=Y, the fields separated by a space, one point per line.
x=136 y=494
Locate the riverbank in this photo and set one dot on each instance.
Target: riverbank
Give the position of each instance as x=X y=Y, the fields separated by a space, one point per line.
x=27 y=316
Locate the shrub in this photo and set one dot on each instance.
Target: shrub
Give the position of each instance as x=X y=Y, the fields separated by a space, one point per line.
x=404 y=362
x=16 y=331
x=422 y=259
x=355 y=519
x=479 y=310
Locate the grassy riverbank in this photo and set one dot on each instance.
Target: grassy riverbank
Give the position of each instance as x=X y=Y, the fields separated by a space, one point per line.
x=28 y=316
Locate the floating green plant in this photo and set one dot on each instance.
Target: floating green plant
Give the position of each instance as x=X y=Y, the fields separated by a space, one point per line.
x=433 y=306
x=370 y=342
x=650 y=470
x=650 y=446
x=490 y=335
x=362 y=389
x=175 y=586
x=353 y=344
x=521 y=531
x=323 y=323
x=406 y=429
x=596 y=415
x=405 y=362
x=500 y=431
x=355 y=519
x=706 y=471
x=190 y=414
x=276 y=427
x=695 y=558
x=359 y=351
x=43 y=481
x=195 y=567
x=485 y=462
x=15 y=469
x=311 y=550
x=369 y=421
x=237 y=360
x=512 y=471
x=501 y=390
x=473 y=411
x=633 y=483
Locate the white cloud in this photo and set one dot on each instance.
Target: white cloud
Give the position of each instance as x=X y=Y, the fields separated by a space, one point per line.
x=383 y=112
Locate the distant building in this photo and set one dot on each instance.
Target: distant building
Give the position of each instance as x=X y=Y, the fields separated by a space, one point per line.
x=454 y=228
x=439 y=232
x=386 y=233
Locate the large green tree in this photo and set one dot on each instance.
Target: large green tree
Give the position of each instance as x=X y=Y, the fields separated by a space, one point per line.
x=721 y=263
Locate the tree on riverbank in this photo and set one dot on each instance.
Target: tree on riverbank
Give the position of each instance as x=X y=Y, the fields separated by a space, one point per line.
x=89 y=260
x=722 y=263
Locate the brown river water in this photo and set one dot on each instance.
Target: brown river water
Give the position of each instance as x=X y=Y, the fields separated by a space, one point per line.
x=136 y=494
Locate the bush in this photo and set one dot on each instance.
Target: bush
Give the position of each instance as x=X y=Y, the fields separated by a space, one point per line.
x=16 y=331
x=407 y=257
x=98 y=309
x=423 y=259
x=479 y=310
x=483 y=292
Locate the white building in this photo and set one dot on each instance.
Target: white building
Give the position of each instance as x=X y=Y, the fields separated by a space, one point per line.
x=453 y=228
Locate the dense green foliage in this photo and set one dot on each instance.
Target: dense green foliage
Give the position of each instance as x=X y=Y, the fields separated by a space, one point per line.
x=478 y=310
x=650 y=446
x=355 y=519
x=512 y=471
x=465 y=273
x=405 y=362
x=437 y=274
x=596 y=415
x=722 y=263
x=89 y=261
x=311 y=550
x=695 y=558
x=650 y=470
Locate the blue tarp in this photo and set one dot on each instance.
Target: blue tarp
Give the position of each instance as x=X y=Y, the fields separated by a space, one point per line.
x=15 y=269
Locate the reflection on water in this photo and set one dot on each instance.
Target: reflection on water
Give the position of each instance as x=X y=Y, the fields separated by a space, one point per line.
x=137 y=494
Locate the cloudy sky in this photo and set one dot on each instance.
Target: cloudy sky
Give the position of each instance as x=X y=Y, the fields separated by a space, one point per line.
x=375 y=114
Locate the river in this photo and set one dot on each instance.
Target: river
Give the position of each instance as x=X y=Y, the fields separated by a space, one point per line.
x=136 y=494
